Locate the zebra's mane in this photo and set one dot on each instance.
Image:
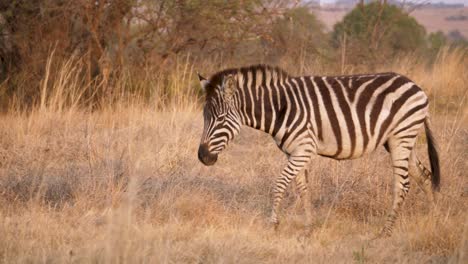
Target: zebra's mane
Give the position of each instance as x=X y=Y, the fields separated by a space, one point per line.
x=217 y=78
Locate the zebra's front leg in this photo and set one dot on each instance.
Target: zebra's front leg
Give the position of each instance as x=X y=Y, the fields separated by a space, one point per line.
x=292 y=169
x=302 y=185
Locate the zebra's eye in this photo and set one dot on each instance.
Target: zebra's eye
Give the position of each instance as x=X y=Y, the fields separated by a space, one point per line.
x=220 y=118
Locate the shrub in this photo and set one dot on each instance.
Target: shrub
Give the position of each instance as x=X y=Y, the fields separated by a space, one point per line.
x=296 y=34
x=378 y=30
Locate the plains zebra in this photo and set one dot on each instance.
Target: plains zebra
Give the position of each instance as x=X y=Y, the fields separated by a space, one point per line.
x=341 y=117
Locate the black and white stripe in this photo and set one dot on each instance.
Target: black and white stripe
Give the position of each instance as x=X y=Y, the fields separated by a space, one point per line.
x=341 y=117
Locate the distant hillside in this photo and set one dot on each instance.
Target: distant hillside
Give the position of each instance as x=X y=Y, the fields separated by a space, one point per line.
x=352 y=3
x=433 y=19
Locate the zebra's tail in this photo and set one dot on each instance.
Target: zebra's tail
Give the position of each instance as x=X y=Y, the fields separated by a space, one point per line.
x=433 y=157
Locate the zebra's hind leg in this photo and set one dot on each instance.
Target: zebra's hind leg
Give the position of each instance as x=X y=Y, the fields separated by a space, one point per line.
x=421 y=175
x=302 y=182
x=292 y=169
x=400 y=152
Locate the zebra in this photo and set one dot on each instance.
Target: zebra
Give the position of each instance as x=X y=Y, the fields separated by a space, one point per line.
x=340 y=117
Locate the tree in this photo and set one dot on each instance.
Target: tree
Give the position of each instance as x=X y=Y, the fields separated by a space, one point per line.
x=84 y=29
x=436 y=41
x=111 y=38
x=297 y=33
x=377 y=30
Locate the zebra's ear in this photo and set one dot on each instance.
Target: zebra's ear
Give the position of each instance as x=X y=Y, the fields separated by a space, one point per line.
x=229 y=86
x=203 y=82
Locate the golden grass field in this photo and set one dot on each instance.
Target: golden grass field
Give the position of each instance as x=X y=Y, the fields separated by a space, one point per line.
x=123 y=185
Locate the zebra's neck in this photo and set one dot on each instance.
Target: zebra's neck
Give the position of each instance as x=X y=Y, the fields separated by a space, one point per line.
x=260 y=98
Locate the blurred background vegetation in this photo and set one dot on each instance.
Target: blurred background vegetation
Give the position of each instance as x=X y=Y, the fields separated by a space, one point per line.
x=96 y=51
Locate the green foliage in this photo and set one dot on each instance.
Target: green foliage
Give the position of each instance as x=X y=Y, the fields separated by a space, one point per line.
x=436 y=41
x=379 y=29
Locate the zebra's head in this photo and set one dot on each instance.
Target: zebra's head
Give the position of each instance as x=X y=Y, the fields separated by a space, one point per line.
x=221 y=120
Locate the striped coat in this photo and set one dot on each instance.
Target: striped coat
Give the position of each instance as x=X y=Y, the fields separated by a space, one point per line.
x=341 y=117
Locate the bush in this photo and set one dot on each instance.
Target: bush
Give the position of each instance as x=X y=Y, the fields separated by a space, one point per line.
x=297 y=34
x=377 y=31
x=111 y=39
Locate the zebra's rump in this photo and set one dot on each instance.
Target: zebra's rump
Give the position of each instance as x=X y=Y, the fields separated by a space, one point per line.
x=357 y=114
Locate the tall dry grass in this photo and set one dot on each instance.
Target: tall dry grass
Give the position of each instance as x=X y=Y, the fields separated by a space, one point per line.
x=123 y=184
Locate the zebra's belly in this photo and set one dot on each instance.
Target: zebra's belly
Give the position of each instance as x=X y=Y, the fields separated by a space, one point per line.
x=344 y=150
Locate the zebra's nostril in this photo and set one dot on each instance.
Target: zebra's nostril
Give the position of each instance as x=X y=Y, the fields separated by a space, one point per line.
x=201 y=152
x=205 y=156
x=199 y=155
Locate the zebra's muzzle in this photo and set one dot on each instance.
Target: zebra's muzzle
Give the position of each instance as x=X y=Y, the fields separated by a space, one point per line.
x=205 y=156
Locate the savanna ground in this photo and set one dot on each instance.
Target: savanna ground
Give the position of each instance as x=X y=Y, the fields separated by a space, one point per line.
x=123 y=185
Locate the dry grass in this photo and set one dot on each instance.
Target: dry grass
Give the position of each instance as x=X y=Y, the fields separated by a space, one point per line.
x=124 y=185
